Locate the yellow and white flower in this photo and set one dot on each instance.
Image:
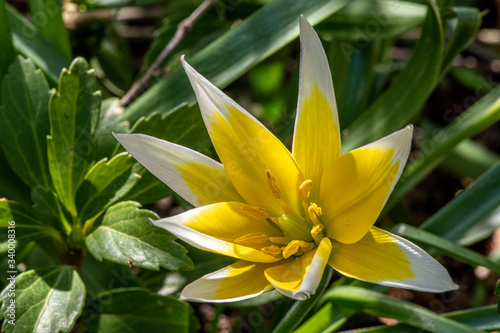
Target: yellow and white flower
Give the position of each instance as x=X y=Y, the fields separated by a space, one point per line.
x=284 y=215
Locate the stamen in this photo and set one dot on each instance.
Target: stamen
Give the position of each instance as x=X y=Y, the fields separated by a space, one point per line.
x=314 y=211
x=272 y=250
x=305 y=188
x=294 y=246
x=273 y=185
x=256 y=238
x=290 y=249
x=317 y=229
x=254 y=212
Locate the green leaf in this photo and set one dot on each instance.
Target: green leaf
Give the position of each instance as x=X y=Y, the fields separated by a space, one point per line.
x=445 y=246
x=47 y=17
x=126 y=234
x=468 y=22
x=354 y=69
x=27 y=226
x=482 y=114
x=105 y=184
x=469 y=159
x=110 y=119
x=29 y=42
x=376 y=304
x=482 y=318
x=138 y=310
x=7 y=55
x=11 y=186
x=48 y=207
x=469 y=207
x=124 y=3
x=257 y=37
x=482 y=229
x=102 y=276
x=300 y=309
x=364 y=20
x=71 y=144
x=47 y=299
x=406 y=95
x=24 y=122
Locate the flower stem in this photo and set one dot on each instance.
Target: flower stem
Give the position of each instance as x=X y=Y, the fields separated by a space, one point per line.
x=300 y=309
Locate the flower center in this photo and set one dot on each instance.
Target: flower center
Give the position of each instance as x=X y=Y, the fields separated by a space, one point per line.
x=299 y=235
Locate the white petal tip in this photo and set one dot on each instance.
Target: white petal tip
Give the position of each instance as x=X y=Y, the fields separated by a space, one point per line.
x=301 y=296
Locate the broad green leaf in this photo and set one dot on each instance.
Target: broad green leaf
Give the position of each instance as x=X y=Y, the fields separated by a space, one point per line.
x=105 y=184
x=377 y=304
x=192 y=134
x=479 y=116
x=26 y=227
x=8 y=54
x=469 y=207
x=445 y=246
x=29 y=42
x=11 y=186
x=48 y=207
x=406 y=95
x=126 y=234
x=71 y=144
x=139 y=310
x=102 y=276
x=24 y=122
x=47 y=17
x=110 y=119
x=363 y=20
x=47 y=299
x=231 y=55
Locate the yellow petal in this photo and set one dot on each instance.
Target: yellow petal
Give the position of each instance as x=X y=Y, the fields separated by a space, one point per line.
x=249 y=152
x=216 y=227
x=236 y=282
x=356 y=186
x=299 y=277
x=316 y=140
x=390 y=260
x=195 y=177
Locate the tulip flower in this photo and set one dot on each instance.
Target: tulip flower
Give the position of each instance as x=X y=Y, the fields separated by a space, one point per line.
x=286 y=215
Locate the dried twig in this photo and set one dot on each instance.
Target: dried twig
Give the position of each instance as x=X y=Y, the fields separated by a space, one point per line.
x=182 y=29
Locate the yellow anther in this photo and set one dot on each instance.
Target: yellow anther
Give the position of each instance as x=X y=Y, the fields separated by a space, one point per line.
x=317 y=229
x=314 y=211
x=254 y=212
x=272 y=250
x=305 y=188
x=294 y=246
x=291 y=249
x=279 y=240
x=256 y=238
x=273 y=185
